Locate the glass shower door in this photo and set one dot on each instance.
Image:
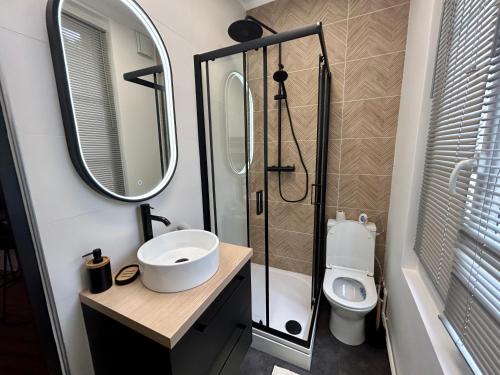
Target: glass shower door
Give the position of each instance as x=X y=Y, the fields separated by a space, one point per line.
x=257 y=187
x=234 y=116
x=226 y=119
x=293 y=151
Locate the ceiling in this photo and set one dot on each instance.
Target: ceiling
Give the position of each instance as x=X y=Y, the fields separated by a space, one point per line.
x=250 y=4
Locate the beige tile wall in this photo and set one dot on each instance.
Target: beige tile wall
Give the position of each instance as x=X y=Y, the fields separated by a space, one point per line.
x=366 y=42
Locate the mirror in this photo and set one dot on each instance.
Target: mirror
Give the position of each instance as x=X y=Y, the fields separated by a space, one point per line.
x=235 y=133
x=115 y=89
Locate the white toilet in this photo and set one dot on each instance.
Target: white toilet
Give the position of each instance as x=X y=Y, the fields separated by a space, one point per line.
x=349 y=285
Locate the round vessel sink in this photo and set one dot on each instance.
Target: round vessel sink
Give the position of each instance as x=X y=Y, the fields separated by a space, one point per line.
x=179 y=260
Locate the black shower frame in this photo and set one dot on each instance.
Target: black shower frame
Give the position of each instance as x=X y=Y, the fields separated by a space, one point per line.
x=135 y=77
x=324 y=84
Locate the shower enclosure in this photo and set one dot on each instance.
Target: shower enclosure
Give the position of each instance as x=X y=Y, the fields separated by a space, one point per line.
x=263 y=138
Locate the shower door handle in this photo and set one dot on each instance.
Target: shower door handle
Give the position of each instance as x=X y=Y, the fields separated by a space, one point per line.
x=314 y=194
x=259 y=203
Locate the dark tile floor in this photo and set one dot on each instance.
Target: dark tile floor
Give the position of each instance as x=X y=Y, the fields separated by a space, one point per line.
x=330 y=356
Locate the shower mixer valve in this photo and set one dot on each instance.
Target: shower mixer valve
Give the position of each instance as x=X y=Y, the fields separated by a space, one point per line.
x=281 y=168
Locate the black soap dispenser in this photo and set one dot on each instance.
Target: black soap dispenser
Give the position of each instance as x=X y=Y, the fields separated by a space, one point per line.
x=99 y=270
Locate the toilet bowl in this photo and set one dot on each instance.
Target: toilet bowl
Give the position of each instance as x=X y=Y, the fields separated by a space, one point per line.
x=349 y=285
x=352 y=295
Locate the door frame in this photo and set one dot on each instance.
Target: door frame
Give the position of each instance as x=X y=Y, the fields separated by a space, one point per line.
x=27 y=239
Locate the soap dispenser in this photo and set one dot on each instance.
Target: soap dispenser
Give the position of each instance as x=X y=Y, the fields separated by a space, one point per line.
x=99 y=270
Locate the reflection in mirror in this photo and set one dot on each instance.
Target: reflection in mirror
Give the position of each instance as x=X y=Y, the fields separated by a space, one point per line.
x=235 y=132
x=121 y=95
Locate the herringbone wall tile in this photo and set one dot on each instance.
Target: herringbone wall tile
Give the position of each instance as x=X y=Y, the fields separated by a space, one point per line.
x=284 y=263
x=304 y=124
x=359 y=7
x=336 y=109
x=332 y=189
x=293 y=186
x=257 y=89
x=284 y=243
x=365 y=40
x=365 y=191
x=255 y=220
x=371 y=118
x=257 y=164
x=374 y=77
x=299 y=54
x=255 y=182
x=337 y=87
x=334 y=156
x=258 y=126
x=308 y=149
x=335 y=39
x=302 y=88
x=378 y=33
x=294 y=217
x=367 y=156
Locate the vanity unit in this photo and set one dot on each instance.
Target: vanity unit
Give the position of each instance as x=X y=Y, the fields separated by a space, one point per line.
x=204 y=330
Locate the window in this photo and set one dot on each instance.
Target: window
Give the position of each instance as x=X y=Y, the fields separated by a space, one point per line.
x=94 y=106
x=458 y=234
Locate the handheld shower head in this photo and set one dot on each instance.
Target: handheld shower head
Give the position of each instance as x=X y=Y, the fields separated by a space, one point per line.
x=280 y=76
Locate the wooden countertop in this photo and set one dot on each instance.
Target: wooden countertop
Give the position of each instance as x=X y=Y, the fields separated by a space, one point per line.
x=166 y=317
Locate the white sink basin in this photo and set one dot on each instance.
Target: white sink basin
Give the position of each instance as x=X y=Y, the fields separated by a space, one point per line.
x=178 y=260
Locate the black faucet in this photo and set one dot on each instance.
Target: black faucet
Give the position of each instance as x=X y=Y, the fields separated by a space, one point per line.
x=147 y=221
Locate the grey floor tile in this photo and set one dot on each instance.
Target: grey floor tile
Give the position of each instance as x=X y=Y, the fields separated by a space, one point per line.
x=330 y=356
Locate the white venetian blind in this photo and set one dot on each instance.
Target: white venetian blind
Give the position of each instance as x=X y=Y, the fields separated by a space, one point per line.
x=93 y=101
x=462 y=68
x=458 y=238
x=472 y=308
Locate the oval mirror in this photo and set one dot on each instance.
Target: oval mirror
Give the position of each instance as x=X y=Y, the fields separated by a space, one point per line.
x=235 y=133
x=115 y=89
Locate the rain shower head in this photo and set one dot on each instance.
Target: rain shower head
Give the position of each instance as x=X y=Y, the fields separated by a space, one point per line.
x=248 y=29
x=245 y=30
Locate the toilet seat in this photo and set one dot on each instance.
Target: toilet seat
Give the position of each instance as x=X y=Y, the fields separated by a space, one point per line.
x=359 y=276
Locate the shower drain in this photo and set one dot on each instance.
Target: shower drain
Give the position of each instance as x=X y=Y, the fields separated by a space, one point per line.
x=180 y=260
x=293 y=327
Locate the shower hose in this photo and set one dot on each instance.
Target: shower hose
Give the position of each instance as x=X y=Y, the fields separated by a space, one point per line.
x=304 y=196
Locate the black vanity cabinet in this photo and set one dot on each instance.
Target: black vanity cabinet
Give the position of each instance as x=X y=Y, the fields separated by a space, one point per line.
x=215 y=344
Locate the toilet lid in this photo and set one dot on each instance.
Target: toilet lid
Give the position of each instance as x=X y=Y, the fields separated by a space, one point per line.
x=352 y=289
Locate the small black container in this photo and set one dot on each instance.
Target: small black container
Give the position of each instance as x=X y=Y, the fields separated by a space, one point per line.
x=99 y=270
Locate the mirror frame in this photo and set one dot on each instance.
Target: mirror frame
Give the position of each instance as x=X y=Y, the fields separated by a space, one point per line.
x=53 y=20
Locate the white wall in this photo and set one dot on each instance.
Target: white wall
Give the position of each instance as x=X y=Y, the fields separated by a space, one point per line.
x=419 y=341
x=72 y=218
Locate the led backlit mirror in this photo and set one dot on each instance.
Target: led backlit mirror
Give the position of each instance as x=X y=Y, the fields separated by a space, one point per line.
x=235 y=132
x=115 y=89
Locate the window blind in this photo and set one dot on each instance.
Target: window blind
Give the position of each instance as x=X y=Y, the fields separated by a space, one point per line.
x=472 y=308
x=93 y=101
x=458 y=235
